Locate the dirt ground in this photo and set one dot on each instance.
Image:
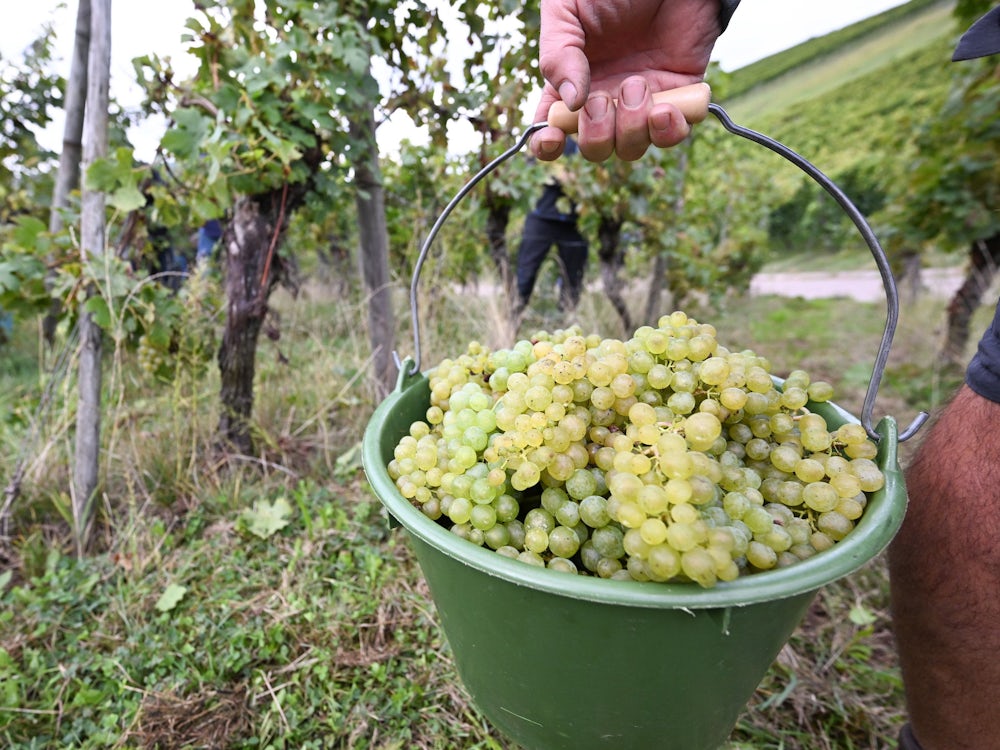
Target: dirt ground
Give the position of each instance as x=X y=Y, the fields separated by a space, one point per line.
x=864 y=286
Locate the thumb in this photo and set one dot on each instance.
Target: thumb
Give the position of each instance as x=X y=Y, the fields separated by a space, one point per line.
x=561 y=59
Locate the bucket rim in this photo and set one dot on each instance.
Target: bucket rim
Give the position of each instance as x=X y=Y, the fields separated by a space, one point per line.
x=872 y=534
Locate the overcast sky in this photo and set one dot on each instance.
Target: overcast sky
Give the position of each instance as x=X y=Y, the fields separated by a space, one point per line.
x=759 y=28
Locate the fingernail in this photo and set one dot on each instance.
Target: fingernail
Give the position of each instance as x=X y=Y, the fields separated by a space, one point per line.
x=633 y=93
x=547 y=148
x=661 y=120
x=597 y=106
x=567 y=92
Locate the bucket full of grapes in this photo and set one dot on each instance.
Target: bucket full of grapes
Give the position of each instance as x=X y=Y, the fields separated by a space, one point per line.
x=620 y=535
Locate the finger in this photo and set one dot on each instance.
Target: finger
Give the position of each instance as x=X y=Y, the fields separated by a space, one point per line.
x=632 y=136
x=667 y=126
x=548 y=143
x=597 y=127
x=561 y=59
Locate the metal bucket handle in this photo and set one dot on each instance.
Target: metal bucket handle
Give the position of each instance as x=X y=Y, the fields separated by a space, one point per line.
x=881 y=261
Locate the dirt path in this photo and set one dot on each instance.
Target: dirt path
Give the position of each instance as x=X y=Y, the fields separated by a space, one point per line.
x=864 y=286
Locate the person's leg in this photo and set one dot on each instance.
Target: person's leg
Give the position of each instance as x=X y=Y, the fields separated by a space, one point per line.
x=572 y=266
x=944 y=569
x=536 y=239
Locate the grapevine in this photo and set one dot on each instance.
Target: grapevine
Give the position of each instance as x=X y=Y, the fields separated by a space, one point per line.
x=665 y=457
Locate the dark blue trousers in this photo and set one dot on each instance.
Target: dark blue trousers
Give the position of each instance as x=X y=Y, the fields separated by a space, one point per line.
x=537 y=239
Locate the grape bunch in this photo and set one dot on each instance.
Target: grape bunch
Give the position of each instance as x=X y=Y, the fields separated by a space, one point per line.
x=151 y=357
x=666 y=457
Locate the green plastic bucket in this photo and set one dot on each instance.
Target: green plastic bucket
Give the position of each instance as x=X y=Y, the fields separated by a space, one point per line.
x=558 y=661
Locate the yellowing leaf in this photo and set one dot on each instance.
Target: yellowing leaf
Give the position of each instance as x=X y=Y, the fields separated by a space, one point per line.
x=170 y=597
x=265 y=518
x=861 y=616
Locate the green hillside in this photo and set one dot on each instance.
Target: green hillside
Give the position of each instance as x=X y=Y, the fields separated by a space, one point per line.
x=852 y=108
x=816 y=49
x=826 y=64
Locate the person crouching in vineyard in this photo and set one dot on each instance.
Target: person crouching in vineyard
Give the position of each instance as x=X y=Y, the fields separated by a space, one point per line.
x=553 y=221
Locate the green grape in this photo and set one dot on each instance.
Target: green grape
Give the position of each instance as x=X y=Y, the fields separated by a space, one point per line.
x=810 y=470
x=531 y=558
x=675 y=464
x=761 y=556
x=526 y=475
x=782 y=423
x=868 y=474
x=634 y=544
x=834 y=524
x=820 y=391
x=735 y=504
x=562 y=565
x=516 y=530
x=608 y=567
x=681 y=402
x=698 y=565
x=663 y=562
x=794 y=398
x=816 y=440
x=714 y=370
x=539 y=518
x=790 y=493
x=568 y=514
x=664 y=457
x=594 y=511
x=561 y=467
x=850 y=507
x=655 y=499
x=785 y=457
x=497 y=537
x=681 y=536
x=641 y=414
x=580 y=484
x=758 y=520
x=701 y=346
x=684 y=381
x=820 y=496
x=702 y=428
x=821 y=541
x=608 y=541
x=536 y=540
x=846 y=484
x=460 y=510
x=563 y=542
x=483 y=517
x=552 y=498
x=653 y=531
x=630 y=514
x=659 y=377
x=777 y=539
x=733 y=397
x=862 y=450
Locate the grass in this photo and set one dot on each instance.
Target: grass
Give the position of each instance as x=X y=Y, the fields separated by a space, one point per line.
x=871 y=53
x=269 y=605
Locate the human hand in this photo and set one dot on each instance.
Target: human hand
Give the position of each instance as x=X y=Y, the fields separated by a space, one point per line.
x=594 y=52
